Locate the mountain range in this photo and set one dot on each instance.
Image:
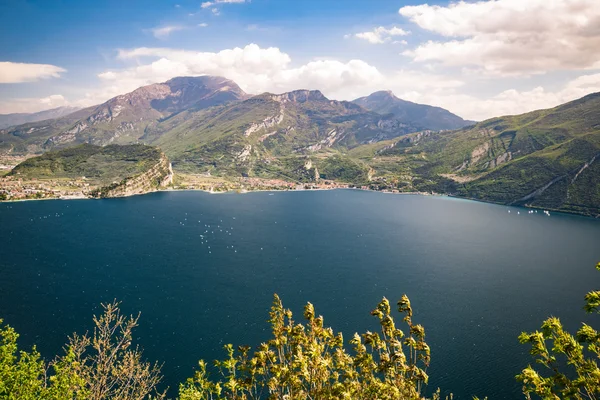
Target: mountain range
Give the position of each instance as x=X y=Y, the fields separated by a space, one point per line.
x=154 y=110
x=7 y=120
x=209 y=125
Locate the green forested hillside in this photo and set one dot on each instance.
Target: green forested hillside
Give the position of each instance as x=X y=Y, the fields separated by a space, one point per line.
x=99 y=165
x=545 y=158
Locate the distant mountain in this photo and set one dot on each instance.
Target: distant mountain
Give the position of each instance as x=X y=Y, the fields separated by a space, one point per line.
x=7 y=120
x=123 y=119
x=432 y=118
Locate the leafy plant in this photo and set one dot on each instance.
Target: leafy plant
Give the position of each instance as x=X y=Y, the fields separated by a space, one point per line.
x=571 y=369
x=309 y=361
x=101 y=366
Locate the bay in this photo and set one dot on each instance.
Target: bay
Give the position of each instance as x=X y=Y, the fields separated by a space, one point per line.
x=202 y=270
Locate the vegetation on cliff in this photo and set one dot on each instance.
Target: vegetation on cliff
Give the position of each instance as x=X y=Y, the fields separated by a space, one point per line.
x=300 y=361
x=109 y=171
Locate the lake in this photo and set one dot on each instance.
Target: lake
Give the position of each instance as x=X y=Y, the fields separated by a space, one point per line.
x=476 y=274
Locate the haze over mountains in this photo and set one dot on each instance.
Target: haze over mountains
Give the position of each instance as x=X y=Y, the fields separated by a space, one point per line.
x=435 y=118
x=7 y=120
x=209 y=125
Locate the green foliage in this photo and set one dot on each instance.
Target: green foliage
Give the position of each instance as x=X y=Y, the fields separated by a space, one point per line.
x=100 y=165
x=309 y=361
x=344 y=169
x=103 y=366
x=21 y=373
x=571 y=369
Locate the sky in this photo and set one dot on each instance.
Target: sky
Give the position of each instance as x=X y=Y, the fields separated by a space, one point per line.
x=478 y=59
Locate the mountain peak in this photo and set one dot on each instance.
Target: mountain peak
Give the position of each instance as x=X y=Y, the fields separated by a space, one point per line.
x=7 y=120
x=181 y=93
x=299 y=96
x=383 y=94
x=201 y=81
x=428 y=117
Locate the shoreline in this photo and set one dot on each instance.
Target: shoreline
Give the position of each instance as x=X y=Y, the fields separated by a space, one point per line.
x=245 y=191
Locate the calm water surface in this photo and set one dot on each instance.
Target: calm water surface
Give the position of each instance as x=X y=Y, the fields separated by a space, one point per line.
x=476 y=275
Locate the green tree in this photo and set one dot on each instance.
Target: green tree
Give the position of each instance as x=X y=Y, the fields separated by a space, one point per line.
x=570 y=361
x=96 y=367
x=21 y=373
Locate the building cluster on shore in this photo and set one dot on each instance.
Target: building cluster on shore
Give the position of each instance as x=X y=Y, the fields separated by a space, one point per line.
x=15 y=188
x=249 y=184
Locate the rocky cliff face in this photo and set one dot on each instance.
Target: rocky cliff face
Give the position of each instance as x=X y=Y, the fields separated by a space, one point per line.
x=123 y=119
x=160 y=175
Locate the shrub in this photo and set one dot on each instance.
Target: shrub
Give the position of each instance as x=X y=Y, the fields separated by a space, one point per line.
x=308 y=361
x=570 y=361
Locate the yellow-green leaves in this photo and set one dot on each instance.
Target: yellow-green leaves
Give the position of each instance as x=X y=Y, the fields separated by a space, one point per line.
x=102 y=366
x=571 y=370
x=21 y=373
x=309 y=361
x=592 y=302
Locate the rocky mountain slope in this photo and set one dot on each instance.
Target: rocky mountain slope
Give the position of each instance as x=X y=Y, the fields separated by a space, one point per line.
x=7 y=120
x=432 y=118
x=264 y=131
x=122 y=119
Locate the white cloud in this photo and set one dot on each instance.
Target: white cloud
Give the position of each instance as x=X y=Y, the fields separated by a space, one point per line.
x=11 y=72
x=508 y=102
x=510 y=37
x=164 y=31
x=381 y=35
x=258 y=70
x=208 y=4
x=29 y=105
x=203 y=25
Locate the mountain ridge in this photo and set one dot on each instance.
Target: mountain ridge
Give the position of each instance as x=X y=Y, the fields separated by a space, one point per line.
x=13 y=119
x=435 y=118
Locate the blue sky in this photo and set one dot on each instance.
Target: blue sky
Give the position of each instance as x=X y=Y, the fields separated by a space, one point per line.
x=477 y=58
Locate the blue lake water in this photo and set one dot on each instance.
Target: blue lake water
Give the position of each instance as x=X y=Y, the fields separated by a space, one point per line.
x=476 y=275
